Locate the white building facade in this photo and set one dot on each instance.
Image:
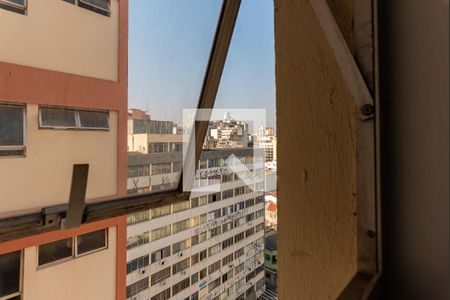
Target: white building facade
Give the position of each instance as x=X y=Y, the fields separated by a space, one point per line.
x=211 y=247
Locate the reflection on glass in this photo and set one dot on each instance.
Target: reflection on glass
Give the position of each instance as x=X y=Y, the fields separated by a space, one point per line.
x=169 y=47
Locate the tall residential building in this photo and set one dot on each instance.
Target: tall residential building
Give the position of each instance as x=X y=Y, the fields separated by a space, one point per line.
x=63 y=99
x=211 y=247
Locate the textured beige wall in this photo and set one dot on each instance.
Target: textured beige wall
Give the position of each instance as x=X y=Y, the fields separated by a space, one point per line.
x=60 y=36
x=89 y=277
x=316 y=158
x=43 y=177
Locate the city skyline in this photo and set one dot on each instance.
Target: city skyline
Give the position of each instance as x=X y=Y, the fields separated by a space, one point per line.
x=248 y=79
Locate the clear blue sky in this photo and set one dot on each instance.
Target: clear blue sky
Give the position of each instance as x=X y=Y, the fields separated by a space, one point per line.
x=169 y=45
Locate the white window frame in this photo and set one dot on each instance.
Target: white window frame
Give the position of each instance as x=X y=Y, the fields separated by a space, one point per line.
x=78 y=125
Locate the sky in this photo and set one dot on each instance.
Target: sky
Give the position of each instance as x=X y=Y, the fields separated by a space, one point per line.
x=169 y=47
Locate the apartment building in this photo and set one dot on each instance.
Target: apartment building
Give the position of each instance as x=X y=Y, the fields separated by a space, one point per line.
x=211 y=247
x=152 y=136
x=62 y=102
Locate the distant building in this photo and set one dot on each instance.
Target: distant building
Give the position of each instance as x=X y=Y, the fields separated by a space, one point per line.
x=210 y=247
x=267 y=141
x=152 y=136
x=271 y=259
x=271 y=214
x=227 y=133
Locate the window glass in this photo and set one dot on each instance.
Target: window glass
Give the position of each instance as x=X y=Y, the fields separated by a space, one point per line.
x=57 y=117
x=160 y=276
x=55 y=251
x=136 y=287
x=11 y=125
x=10 y=273
x=91 y=241
x=93 y=119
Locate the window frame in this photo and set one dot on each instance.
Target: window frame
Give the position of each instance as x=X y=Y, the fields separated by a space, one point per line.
x=30 y=224
x=14 y=7
x=75 y=241
x=22 y=147
x=21 y=273
x=78 y=125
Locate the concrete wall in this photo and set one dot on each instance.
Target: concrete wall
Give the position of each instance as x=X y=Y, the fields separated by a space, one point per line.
x=59 y=36
x=88 y=277
x=316 y=157
x=43 y=177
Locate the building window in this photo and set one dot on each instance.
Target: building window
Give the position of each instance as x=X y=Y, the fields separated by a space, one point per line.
x=176 y=147
x=214 y=249
x=92 y=241
x=203 y=164
x=10 y=274
x=239 y=269
x=138 y=217
x=160 y=211
x=238 y=253
x=202 y=255
x=98 y=6
x=138 y=240
x=135 y=288
x=180 y=286
x=227 y=194
x=180 y=226
x=215 y=231
x=12 y=130
x=160 y=276
x=194 y=278
x=250 y=217
x=239 y=237
x=180 y=266
x=214 y=214
x=214 y=267
x=180 y=206
x=160 y=232
x=161 y=254
x=227 y=177
x=18 y=6
x=158 y=147
x=138 y=171
x=194 y=259
x=214 y=163
x=239 y=191
x=227 y=243
x=163 y=168
x=180 y=246
x=138 y=263
x=55 y=251
x=213 y=285
x=213 y=197
x=67 y=118
x=249 y=202
x=227 y=259
x=226 y=227
x=162 y=296
x=203 y=273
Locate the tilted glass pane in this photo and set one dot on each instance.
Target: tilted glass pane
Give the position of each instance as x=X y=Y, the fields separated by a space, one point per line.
x=91 y=241
x=55 y=251
x=93 y=119
x=57 y=117
x=11 y=125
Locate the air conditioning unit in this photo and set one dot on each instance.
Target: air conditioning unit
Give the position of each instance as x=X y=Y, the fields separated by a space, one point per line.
x=183 y=272
x=142 y=271
x=162 y=282
x=180 y=254
x=230 y=265
x=161 y=262
x=135 y=298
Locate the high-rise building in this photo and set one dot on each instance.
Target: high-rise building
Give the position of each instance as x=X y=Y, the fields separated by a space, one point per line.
x=211 y=247
x=63 y=98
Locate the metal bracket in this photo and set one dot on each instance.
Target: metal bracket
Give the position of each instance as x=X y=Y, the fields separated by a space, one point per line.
x=75 y=211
